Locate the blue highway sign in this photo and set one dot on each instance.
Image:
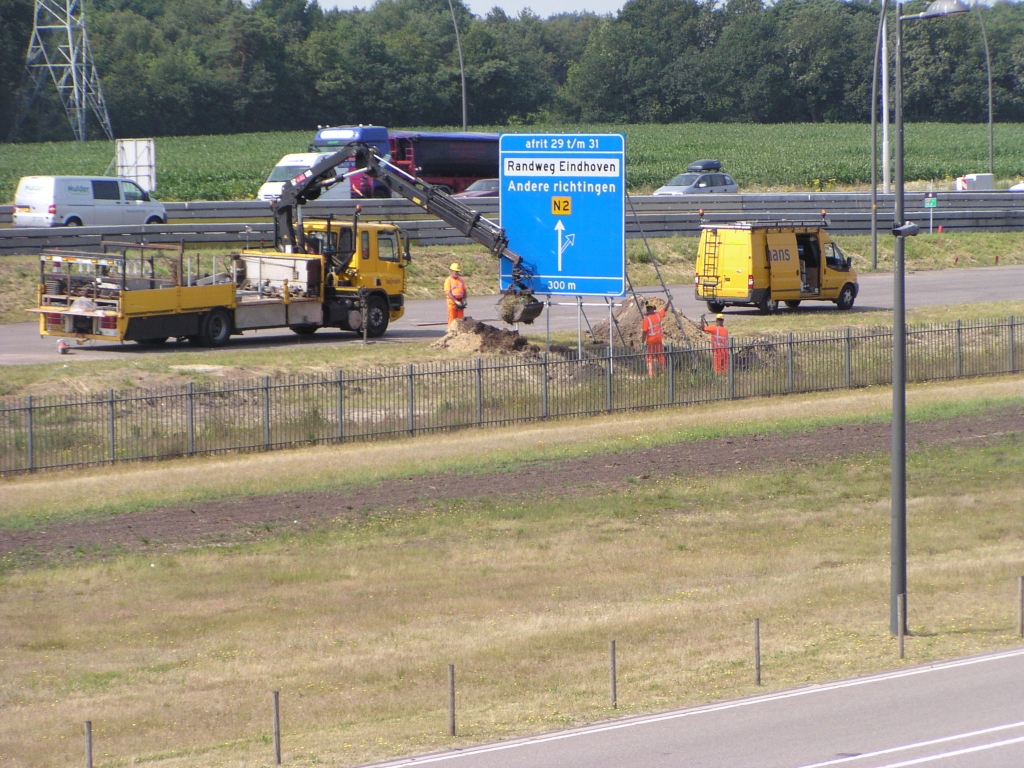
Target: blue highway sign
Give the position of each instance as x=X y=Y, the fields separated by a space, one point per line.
x=563 y=200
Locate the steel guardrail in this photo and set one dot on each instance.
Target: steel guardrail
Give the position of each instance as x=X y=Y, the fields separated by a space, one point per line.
x=238 y=222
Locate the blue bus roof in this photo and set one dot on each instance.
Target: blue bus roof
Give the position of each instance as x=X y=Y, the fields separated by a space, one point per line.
x=340 y=135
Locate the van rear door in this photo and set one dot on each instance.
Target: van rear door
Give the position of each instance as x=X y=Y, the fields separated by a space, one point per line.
x=783 y=265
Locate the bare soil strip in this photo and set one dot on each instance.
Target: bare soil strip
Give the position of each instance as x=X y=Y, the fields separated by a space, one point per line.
x=247 y=518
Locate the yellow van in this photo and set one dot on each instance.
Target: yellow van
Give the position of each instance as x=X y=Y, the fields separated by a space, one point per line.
x=759 y=264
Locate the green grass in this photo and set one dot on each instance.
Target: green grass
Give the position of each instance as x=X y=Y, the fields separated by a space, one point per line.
x=172 y=655
x=761 y=157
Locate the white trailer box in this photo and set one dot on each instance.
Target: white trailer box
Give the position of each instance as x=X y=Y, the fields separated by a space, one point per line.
x=975 y=182
x=136 y=160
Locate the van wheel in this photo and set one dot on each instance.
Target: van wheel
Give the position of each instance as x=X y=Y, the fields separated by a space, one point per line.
x=846 y=296
x=768 y=306
x=793 y=303
x=378 y=317
x=715 y=306
x=73 y=222
x=154 y=220
x=216 y=328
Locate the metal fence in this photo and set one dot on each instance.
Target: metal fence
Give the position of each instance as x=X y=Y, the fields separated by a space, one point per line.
x=55 y=431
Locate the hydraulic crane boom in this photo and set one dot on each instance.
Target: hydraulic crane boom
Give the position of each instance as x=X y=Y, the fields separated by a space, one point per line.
x=323 y=174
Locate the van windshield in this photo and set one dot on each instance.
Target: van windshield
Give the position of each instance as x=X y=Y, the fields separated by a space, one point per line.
x=683 y=180
x=286 y=172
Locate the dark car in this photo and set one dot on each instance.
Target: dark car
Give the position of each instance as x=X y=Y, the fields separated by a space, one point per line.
x=480 y=188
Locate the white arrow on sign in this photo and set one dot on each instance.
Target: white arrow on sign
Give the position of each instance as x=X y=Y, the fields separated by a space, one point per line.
x=563 y=243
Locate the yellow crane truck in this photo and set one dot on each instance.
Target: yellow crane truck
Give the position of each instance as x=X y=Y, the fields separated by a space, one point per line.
x=760 y=263
x=324 y=272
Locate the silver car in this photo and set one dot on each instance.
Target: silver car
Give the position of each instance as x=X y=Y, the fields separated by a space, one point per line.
x=698 y=184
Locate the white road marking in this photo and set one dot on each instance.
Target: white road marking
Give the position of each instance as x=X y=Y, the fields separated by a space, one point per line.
x=957 y=753
x=918 y=745
x=649 y=719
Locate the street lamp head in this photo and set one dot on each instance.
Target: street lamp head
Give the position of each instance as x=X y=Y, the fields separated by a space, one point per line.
x=941 y=8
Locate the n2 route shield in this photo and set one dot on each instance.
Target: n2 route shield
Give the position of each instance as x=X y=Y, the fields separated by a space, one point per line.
x=562 y=200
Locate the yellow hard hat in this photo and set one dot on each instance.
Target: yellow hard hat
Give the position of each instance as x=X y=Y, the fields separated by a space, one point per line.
x=455 y=267
x=719 y=316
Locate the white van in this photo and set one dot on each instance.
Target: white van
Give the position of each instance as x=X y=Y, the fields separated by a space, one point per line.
x=290 y=166
x=89 y=201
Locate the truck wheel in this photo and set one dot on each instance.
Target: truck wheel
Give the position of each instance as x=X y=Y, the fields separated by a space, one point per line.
x=216 y=328
x=378 y=317
x=846 y=296
x=304 y=330
x=768 y=306
x=715 y=306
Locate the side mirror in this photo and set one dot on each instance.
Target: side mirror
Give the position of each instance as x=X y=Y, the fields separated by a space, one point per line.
x=405 y=254
x=145 y=196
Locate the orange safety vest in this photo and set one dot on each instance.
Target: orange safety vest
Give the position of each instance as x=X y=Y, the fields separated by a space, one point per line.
x=456 y=286
x=652 y=327
x=719 y=336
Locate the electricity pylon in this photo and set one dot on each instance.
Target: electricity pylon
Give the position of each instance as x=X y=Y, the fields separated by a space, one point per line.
x=60 y=46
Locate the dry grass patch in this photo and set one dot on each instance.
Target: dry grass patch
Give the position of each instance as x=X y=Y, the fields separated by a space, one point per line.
x=60 y=494
x=173 y=657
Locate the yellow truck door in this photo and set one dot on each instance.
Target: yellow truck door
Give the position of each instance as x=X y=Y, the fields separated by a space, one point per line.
x=783 y=265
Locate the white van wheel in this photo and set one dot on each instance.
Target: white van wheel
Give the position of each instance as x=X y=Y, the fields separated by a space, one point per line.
x=73 y=222
x=155 y=220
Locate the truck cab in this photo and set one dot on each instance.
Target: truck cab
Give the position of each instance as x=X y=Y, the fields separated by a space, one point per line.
x=763 y=263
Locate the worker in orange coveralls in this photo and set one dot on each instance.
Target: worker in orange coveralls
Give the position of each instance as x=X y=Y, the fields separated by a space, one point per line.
x=653 y=337
x=455 y=292
x=719 y=342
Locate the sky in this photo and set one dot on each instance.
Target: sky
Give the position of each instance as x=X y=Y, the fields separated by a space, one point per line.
x=542 y=8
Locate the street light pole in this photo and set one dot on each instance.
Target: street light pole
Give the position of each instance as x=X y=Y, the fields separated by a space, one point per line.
x=462 y=65
x=988 y=68
x=898 y=491
x=902 y=229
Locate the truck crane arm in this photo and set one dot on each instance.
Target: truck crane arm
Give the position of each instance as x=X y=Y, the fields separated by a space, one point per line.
x=323 y=174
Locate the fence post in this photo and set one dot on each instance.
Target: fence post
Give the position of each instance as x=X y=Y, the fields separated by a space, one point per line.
x=612 y=675
x=790 y=378
x=608 y=377
x=959 y=350
x=731 y=370
x=266 y=410
x=88 y=744
x=113 y=436
x=544 y=369
x=190 y=417
x=341 y=404
x=31 y=438
x=277 y=728
x=412 y=404
x=451 y=699
x=848 y=359
x=901 y=620
x=1013 y=344
x=757 y=652
x=671 y=376
x=1020 y=606
x=479 y=390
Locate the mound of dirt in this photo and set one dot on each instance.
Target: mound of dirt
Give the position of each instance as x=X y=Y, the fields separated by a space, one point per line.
x=629 y=322
x=469 y=335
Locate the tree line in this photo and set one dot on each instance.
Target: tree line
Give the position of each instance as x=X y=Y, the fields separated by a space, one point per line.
x=181 y=67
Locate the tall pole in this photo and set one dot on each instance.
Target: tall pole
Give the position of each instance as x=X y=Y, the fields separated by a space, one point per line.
x=898 y=529
x=886 y=151
x=874 y=138
x=988 y=68
x=462 y=65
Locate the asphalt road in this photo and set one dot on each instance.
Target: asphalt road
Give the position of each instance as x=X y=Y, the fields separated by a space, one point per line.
x=967 y=713
x=20 y=343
